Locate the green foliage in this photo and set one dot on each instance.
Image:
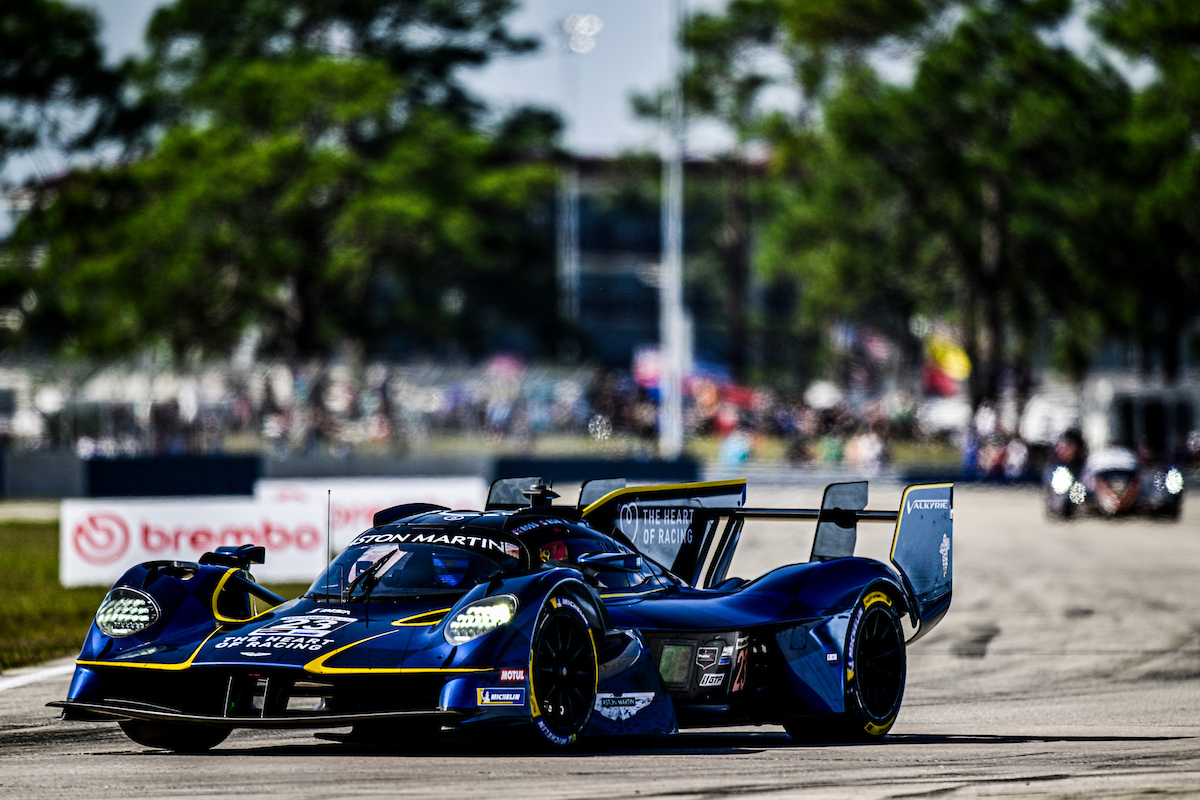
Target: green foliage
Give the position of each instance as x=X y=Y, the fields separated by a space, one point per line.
x=278 y=210
x=994 y=188
x=855 y=23
x=427 y=42
x=315 y=173
x=724 y=80
x=51 y=67
x=1163 y=210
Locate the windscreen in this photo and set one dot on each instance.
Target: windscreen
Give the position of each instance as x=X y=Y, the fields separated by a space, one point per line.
x=383 y=570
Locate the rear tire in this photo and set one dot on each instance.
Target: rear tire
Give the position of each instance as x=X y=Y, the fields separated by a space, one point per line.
x=874 y=676
x=171 y=736
x=876 y=665
x=562 y=676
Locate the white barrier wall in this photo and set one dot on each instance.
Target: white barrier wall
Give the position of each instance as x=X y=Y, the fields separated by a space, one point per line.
x=101 y=538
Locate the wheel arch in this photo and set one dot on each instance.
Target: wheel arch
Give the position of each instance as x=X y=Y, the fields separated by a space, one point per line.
x=570 y=584
x=830 y=587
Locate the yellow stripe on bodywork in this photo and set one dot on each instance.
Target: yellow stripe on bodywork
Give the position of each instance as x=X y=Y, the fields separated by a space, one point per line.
x=317 y=665
x=217 y=593
x=661 y=488
x=421 y=620
x=145 y=665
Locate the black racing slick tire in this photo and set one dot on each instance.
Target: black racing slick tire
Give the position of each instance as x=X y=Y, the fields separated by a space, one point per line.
x=180 y=738
x=563 y=672
x=875 y=667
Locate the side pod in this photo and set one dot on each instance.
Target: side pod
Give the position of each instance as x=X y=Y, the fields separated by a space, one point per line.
x=923 y=551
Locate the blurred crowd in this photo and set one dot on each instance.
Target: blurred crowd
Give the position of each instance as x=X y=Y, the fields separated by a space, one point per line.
x=504 y=405
x=338 y=410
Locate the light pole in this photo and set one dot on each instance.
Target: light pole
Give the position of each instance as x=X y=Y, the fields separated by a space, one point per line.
x=577 y=36
x=672 y=323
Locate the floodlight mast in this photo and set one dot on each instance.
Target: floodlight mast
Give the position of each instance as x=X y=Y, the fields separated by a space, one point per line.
x=671 y=321
x=576 y=34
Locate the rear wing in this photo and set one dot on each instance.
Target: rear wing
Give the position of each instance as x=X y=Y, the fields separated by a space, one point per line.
x=680 y=527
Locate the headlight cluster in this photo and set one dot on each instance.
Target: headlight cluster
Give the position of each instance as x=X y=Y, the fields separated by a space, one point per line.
x=480 y=617
x=125 y=611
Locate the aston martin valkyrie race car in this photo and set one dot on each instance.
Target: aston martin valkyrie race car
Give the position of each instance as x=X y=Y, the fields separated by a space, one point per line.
x=614 y=616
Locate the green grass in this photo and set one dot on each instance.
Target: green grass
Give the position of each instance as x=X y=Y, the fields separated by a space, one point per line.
x=43 y=620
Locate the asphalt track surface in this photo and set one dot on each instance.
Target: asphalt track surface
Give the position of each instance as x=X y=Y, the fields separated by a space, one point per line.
x=1068 y=666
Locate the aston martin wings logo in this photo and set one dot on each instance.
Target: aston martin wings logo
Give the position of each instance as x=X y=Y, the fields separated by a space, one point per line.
x=622 y=706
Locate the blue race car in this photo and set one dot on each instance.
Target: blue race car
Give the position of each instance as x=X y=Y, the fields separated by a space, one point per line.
x=611 y=617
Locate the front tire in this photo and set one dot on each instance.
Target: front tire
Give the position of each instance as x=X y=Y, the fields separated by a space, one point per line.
x=562 y=676
x=170 y=736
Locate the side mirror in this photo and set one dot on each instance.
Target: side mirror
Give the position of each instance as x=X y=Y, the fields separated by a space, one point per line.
x=231 y=556
x=611 y=562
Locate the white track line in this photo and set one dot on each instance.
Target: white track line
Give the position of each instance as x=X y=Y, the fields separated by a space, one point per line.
x=45 y=673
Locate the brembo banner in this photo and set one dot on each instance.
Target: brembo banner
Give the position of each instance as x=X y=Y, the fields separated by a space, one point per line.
x=101 y=538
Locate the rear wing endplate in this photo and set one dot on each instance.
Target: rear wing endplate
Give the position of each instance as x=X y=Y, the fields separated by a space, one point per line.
x=923 y=551
x=922 y=543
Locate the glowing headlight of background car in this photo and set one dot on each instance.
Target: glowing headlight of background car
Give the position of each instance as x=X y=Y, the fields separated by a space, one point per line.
x=1173 y=481
x=481 y=617
x=125 y=611
x=1061 y=480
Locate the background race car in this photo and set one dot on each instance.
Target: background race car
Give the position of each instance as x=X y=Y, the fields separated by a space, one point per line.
x=1112 y=483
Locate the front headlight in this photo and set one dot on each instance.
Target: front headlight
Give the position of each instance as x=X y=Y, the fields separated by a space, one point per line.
x=478 y=618
x=1173 y=481
x=1061 y=480
x=125 y=611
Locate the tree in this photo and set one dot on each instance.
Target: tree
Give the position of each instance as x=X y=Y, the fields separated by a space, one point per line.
x=1162 y=132
x=723 y=82
x=426 y=43
x=988 y=188
x=312 y=170
x=1002 y=147
x=51 y=67
x=269 y=215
